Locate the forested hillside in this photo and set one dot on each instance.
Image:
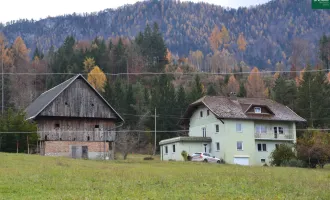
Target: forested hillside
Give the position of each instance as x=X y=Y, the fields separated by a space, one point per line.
x=276 y=33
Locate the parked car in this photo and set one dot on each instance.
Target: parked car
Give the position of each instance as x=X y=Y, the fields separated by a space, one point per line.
x=205 y=157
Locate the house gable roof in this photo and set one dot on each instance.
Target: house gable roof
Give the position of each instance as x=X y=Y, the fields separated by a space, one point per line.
x=46 y=98
x=224 y=107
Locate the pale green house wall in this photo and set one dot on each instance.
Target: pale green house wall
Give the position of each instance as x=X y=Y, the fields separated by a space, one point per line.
x=228 y=136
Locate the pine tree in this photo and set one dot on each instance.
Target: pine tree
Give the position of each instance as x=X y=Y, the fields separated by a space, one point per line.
x=129 y=106
x=242 y=91
x=197 y=90
x=37 y=54
x=181 y=100
x=285 y=91
x=211 y=91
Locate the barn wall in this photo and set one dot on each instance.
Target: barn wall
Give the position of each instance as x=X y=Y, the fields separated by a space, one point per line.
x=96 y=150
x=71 y=129
x=78 y=100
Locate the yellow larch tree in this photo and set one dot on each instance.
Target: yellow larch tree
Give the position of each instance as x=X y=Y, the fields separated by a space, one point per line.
x=97 y=79
x=215 y=39
x=255 y=86
x=89 y=64
x=233 y=85
x=20 y=50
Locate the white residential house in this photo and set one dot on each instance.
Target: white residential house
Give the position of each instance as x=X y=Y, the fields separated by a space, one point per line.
x=239 y=130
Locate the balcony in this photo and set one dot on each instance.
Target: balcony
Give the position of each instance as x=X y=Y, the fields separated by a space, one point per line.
x=274 y=136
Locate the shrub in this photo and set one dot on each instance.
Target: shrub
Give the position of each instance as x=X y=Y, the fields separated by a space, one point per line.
x=283 y=153
x=184 y=155
x=293 y=163
x=148 y=158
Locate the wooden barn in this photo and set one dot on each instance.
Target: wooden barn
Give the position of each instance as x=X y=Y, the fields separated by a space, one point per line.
x=74 y=120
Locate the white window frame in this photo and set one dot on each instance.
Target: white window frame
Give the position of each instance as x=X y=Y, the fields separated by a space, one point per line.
x=262 y=145
x=204 y=131
x=216 y=146
x=241 y=128
x=259 y=131
x=278 y=130
x=217 y=130
x=257 y=108
x=241 y=145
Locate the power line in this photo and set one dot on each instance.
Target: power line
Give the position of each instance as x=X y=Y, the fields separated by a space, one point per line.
x=166 y=73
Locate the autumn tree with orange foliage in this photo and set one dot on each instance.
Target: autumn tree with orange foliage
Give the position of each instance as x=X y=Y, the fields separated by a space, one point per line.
x=233 y=85
x=241 y=43
x=97 y=79
x=255 y=86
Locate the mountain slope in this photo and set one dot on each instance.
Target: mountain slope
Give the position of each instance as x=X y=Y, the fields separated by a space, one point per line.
x=269 y=29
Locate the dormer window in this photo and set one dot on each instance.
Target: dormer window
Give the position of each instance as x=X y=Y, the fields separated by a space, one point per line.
x=257 y=110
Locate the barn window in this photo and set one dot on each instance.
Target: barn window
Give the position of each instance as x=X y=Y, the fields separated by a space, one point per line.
x=88 y=138
x=45 y=137
x=74 y=139
x=97 y=126
x=60 y=139
x=92 y=104
x=66 y=103
x=57 y=125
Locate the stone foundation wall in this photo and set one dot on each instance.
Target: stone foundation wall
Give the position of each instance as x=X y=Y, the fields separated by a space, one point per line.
x=63 y=148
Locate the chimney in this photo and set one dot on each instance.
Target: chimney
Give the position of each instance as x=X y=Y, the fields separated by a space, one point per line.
x=233 y=96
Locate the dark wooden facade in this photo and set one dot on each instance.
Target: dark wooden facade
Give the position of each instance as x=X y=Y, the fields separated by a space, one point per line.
x=75 y=112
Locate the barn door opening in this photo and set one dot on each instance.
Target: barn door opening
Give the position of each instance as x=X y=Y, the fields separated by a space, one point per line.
x=84 y=152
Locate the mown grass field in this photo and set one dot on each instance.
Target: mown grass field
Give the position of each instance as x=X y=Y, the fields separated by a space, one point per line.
x=37 y=177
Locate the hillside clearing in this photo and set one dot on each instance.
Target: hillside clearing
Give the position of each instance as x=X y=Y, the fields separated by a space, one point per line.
x=37 y=177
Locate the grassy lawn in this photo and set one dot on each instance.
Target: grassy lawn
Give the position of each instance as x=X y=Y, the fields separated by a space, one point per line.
x=37 y=177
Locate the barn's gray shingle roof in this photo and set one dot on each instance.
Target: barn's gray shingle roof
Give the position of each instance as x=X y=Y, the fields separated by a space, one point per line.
x=47 y=97
x=225 y=107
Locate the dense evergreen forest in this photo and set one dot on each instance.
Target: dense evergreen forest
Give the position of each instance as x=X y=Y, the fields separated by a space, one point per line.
x=279 y=32
x=138 y=75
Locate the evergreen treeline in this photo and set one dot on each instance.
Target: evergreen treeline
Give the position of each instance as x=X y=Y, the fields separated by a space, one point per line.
x=113 y=66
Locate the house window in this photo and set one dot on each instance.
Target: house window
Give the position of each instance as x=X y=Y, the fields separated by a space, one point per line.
x=217 y=128
x=239 y=146
x=262 y=147
x=208 y=112
x=166 y=149
x=57 y=125
x=263 y=160
x=261 y=129
x=97 y=126
x=204 y=132
x=280 y=130
x=239 y=128
x=257 y=110
x=173 y=148
x=201 y=114
x=218 y=146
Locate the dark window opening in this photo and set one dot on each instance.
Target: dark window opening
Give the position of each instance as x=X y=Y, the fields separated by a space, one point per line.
x=218 y=146
x=88 y=138
x=263 y=160
x=217 y=128
x=201 y=113
x=110 y=146
x=280 y=130
x=74 y=139
x=92 y=104
x=264 y=147
x=166 y=149
x=259 y=147
x=277 y=146
x=204 y=132
x=97 y=126
x=60 y=139
x=45 y=137
x=173 y=148
x=57 y=125
x=66 y=103
x=208 y=112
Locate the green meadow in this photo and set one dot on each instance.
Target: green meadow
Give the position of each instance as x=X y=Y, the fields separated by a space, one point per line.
x=37 y=177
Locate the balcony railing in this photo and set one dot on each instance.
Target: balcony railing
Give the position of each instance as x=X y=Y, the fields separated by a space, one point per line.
x=284 y=136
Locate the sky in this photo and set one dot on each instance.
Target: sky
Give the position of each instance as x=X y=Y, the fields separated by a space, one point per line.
x=37 y=9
